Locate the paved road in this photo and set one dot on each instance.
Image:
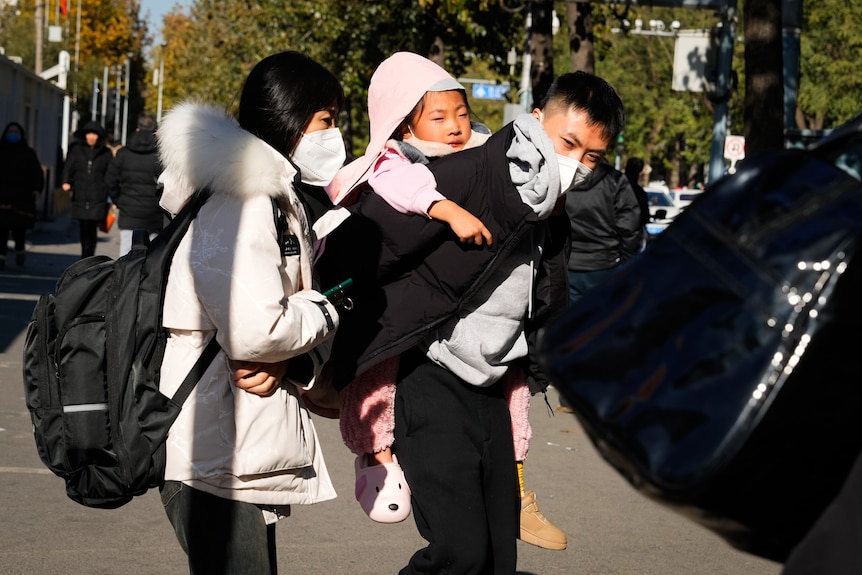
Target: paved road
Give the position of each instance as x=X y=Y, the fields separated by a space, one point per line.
x=612 y=529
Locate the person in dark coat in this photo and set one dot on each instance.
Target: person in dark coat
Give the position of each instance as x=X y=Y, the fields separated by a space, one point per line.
x=21 y=178
x=634 y=168
x=84 y=175
x=605 y=226
x=132 y=180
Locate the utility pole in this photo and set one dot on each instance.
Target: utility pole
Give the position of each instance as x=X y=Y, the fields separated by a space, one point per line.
x=39 y=17
x=117 y=104
x=161 y=82
x=526 y=91
x=94 y=99
x=721 y=94
x=126 y=102
x=105 y=91
x=791 y=30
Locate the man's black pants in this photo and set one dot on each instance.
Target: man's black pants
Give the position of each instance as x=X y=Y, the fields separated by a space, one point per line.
x=454 y=442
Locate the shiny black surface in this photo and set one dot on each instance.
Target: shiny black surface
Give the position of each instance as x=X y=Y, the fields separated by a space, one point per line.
x=718 y=370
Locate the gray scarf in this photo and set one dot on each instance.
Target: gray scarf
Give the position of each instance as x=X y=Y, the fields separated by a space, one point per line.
x=533 y=165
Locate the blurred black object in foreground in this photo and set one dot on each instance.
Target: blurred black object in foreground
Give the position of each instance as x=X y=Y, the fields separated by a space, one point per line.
x=717 y=371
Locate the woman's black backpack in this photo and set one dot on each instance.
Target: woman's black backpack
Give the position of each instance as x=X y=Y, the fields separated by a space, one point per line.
x=92 y=358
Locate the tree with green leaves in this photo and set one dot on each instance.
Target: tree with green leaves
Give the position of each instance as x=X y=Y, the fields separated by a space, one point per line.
x=830 y=86
x=670 y=130
x=212 y=45
x=222 y=40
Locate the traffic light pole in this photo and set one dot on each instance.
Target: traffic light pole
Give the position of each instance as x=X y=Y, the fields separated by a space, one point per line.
x=721 y=94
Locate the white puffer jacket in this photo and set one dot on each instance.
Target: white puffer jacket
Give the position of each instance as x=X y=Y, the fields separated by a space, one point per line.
x=229 y=277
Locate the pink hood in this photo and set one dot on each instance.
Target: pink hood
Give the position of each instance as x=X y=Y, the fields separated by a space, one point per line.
x=396 y=87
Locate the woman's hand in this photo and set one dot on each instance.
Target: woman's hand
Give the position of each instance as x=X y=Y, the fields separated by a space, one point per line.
x=256 y=377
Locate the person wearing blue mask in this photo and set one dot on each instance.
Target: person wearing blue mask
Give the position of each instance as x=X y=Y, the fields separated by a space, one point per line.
x=22 y=178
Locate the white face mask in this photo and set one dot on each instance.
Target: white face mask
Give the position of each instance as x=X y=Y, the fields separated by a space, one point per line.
x=319 y=155
x=572 y=172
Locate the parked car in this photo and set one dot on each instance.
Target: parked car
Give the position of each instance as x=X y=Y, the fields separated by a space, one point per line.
x=662 y=209
x=684 y=196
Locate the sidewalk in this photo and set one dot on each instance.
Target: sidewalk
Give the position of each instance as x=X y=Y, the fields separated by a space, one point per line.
x=612 y=530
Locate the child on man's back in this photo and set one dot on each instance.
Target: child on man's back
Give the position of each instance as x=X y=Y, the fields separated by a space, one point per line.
x=417 y=112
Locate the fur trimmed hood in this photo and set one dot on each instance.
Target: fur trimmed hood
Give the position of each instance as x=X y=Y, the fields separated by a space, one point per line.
x=201 y=146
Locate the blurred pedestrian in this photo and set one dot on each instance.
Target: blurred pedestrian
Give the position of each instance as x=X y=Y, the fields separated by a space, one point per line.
x=634 y=169
x=84 y=177
x=605 y=223
x=21 y=178
x=133 y=187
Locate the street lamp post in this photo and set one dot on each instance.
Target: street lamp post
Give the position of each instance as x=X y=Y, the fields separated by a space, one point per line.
x=161 y=82
x=126 y=102
x=119 y=71
x=105 y=92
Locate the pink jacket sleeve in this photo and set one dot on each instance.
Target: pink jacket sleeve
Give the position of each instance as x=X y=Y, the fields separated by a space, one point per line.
x=409 y=188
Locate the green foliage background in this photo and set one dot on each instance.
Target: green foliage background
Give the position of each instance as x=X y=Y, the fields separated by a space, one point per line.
x=211 y=45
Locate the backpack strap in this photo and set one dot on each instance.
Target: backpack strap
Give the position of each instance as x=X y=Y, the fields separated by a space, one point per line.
x=197 y=372
x=174 y=233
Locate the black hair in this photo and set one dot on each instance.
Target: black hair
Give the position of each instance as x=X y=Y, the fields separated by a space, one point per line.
x=147 y=122
x=634 y=166
x=95 y=128
x=281 y=95
x=410 y=119
x=591 y=94
x=20 y=131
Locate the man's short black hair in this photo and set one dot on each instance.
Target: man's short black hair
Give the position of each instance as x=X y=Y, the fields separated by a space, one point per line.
x=147 y=122
x=591 y=94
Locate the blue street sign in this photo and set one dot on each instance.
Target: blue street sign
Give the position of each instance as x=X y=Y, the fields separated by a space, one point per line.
x=490 y=91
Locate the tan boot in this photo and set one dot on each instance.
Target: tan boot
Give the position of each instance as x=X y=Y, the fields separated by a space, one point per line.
x=535 y=528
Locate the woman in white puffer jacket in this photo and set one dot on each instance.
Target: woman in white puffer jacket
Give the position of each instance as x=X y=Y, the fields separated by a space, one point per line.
x=241 y=452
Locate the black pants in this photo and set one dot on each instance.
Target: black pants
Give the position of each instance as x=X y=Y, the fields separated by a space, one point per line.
x=220 y=536
x=454 y=442
x=89 y=233
x=19 y=235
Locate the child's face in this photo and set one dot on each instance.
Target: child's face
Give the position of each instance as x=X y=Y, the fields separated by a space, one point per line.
x=445 y=118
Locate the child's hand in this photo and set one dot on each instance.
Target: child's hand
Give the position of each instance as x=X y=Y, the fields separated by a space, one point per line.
x=468 y=228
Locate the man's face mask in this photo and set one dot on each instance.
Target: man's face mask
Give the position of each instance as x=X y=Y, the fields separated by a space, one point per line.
x=572 y=172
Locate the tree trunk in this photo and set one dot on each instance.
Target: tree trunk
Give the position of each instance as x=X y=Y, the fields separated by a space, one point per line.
x=764 y=89
x=541 y=49
x=581 y=47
